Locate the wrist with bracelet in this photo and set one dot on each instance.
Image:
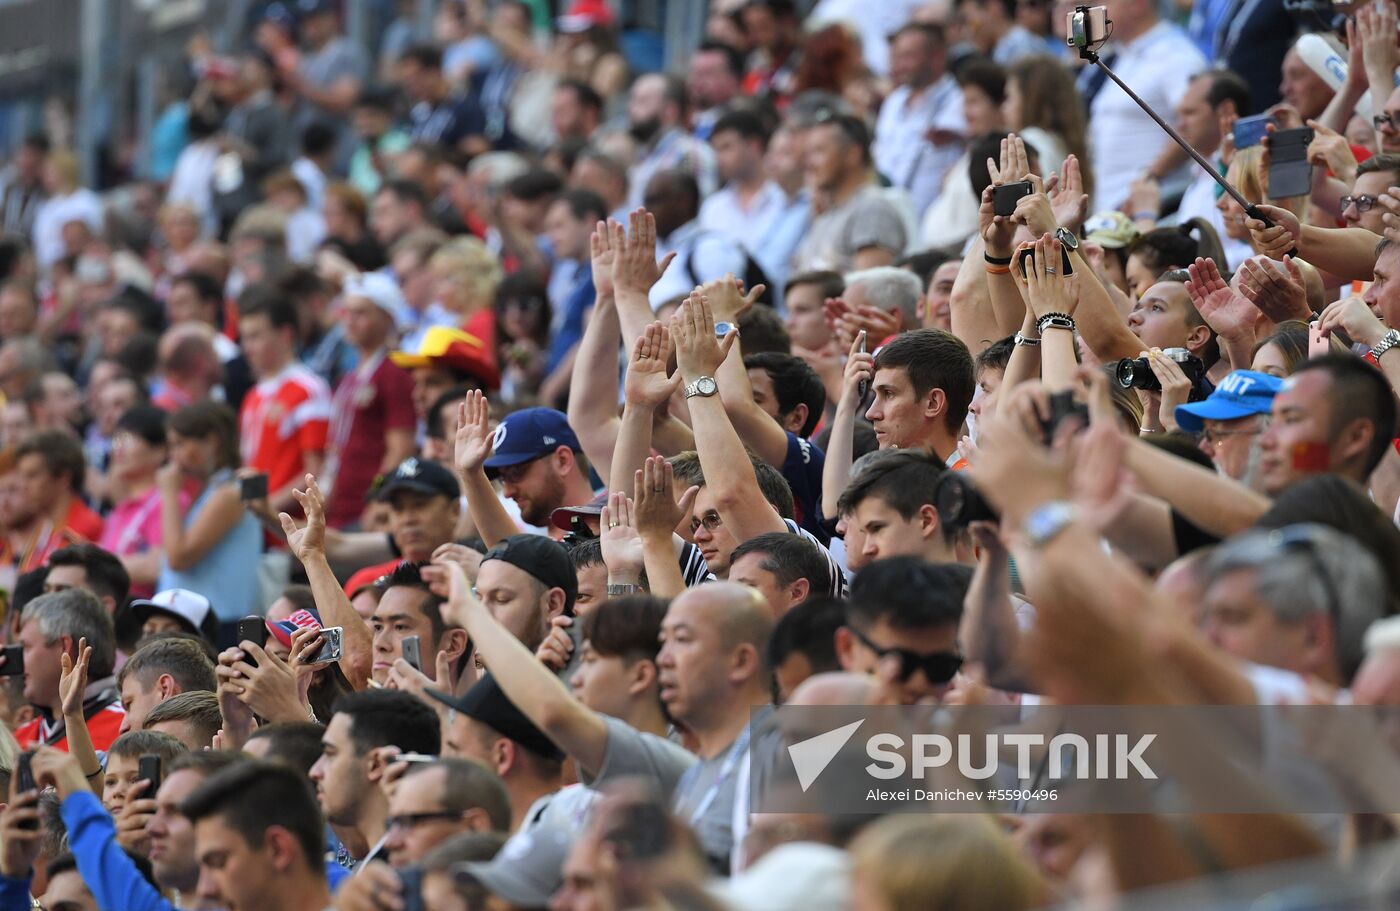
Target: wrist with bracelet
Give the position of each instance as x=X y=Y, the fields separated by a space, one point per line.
x=1054 y=321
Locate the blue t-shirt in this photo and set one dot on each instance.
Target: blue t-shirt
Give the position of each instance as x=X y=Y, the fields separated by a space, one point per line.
x=802 y=469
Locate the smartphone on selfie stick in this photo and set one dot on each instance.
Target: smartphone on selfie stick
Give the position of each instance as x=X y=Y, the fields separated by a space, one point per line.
x=1087 y=28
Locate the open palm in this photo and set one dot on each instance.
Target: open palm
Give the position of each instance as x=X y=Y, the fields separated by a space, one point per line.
x=1226 y=311
x=647 y=384
x=474 y=439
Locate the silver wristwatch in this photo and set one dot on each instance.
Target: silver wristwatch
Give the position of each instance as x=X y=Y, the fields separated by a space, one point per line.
x=1388 y=341
x=1046 y=521
x=705 y=386
x=617 y=589
x=1067 y=239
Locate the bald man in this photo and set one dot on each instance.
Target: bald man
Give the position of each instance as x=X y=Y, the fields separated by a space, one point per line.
x=712 y=671
x=189 y=364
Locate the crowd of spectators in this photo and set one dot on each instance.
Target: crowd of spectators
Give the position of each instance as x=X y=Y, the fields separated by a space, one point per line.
x=421 y=493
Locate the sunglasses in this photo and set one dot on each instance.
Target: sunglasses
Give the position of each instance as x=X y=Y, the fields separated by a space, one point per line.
x=938 y=667
x=1363 y=202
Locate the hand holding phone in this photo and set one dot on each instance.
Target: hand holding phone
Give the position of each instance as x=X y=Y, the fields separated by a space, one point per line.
x=14 y=661
x=863 y=387
x=332 y=646
x=24 y=781
x=253 y=487
x=254 y=630
x=1318 y=344
x=412 y=649
x=148 y=769
x=1005 y=197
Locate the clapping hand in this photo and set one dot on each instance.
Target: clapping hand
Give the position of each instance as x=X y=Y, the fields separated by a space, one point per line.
x=1230 y=314
x=647 y=385
x=1280 y=295
x=635 y=268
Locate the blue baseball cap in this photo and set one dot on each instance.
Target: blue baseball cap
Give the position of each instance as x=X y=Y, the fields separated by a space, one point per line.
x=527 y=435
x=1239 y=395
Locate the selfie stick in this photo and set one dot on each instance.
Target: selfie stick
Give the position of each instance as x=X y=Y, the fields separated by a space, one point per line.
x=1249 y=208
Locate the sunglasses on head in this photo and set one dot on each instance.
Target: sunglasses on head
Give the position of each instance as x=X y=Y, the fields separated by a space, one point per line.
x=938 y=667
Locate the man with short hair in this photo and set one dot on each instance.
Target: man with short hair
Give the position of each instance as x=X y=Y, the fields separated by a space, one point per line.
x=1335 y=414
x=673 y=197
x=259 y=839
x=894 y=290
x=657 y=112
x=446 y=357
x=92 y=569
x=920 y=131
x=805 y=298
x=1212 y=97
x=176 y=610
x=751 y=207
x=923 y=384
x=192 y=718
x=284 y=420
x=1361 y=206
x=409 y=608
x=1231 y=419
x=454 y=122
x=575 y=110
x=434 y=801
x=785 y=569
x=399 y=207
x=803 y=643
x=860 y=227
x=371 y=420
x=19 y=310
x=891 y=502
x=539 y=462
x=569 y=223
x=123 y=767
x=348 y=773
x=994 y=31
x=51 y=468
x=526 y=581
x=716 y=77
x=159 y=670
x=909 y=609
x=1298 y=598
x=52 y=626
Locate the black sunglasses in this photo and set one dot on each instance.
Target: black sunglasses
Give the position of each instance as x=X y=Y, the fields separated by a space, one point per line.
x=938 y=667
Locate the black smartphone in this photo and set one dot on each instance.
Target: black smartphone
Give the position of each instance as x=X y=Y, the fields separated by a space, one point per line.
x=1290 y=174
x=148 y=769
x=412 y=648
x=411 y=888
x=1063 y=407
x=14 y=661
x=864 y=386
x=1005 y=197
x=24 y=781
x=254 y=630
x=1026 y=261
x=253 y=487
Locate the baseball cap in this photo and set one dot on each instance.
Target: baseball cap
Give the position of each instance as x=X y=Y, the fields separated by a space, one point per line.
x=486 y=703
x=542 y=558
x=283 y=630
x=526 y=435
x=380 y=290
x=364 y=578
x=1112 y=230
x=420 y=476
x=583 y=15
x=1240 y=394
x=455 y=349
x=562 y=518
x=191 y=608
x=526 y=872
x=800 y=876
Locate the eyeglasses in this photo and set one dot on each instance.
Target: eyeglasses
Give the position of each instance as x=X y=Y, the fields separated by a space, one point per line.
x=512 y=474
x=1216 y=437
x=409 y=821
x=1384 y=121
x=1363 y=202
x=711 y=520
x=938 y=667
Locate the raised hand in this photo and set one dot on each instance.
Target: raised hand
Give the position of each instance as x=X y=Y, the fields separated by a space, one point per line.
x=270 y=689
x=557 y=648
x=1230 y=314
x=310 y=540
x=73 y=679
x=1144 y=196
x=996 y=231
x=1330 y=149
x=1067 y=197
x=1035 y=211
x=727 y=300
x=635 y=268
x=1280 y=295
x=1375 y=27
x=622 y=544
x=474 y=441
x=698 y=352
x=647 y=385
x=1015 y=164
x=1352 y=316
x=20 y=833
x=654 y=507
x=1049 y=290
x=602 y=257
x=877 y=325
x=1279 y=240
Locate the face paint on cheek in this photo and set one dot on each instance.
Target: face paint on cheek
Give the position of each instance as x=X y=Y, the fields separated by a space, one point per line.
x=1312 y=458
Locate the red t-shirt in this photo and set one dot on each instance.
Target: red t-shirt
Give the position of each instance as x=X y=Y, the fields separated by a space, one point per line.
x=82 y=520
x=104 y=725
x=283 y=417
x=374 y=398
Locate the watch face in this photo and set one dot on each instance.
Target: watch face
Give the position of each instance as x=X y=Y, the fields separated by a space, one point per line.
x=706 y=385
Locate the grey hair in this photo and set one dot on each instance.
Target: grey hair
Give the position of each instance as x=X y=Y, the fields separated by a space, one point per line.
x=1339 y=575
x=77 y=613
x=890 y=288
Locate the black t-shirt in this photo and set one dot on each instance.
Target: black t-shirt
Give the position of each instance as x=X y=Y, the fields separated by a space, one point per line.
x=448 y=122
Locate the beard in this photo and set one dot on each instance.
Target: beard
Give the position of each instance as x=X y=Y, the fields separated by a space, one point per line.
x=644 y=131
x=537 y=509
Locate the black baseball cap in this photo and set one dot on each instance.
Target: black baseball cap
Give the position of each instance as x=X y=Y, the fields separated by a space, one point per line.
x=486 y=703
x=542 y=558
x=420 y=476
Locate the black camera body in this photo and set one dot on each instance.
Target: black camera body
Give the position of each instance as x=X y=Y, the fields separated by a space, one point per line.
x=1136 y=373
x=960 y=503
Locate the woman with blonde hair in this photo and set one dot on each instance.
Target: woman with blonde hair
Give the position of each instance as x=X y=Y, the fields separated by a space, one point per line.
x=1043 y=107
x=917 y=862
x=1247 y=174
x=68 y=202
x=465 y=276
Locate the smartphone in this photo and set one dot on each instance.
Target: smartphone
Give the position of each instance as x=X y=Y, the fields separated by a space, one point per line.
x=148 y=769
x=24 y=781
x=254 y=630
x=1005 y=197
x=1250 y=131
x=411 y=888
x=412 y=648
x=332 y=645
x=1025 y=261
x=1290 y=174
x=1086 y=27
x=1318 y=345
x=14 y=661
x=253 y=487
x=864 y=386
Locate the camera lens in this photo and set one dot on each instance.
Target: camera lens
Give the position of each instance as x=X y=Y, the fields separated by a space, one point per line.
x=1134 y=373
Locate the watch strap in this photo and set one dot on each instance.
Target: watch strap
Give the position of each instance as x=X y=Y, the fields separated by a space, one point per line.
x=616 y=589
x=1388 y=341
x=1054 y=321
x=1025 y=340
x=1047 y=521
